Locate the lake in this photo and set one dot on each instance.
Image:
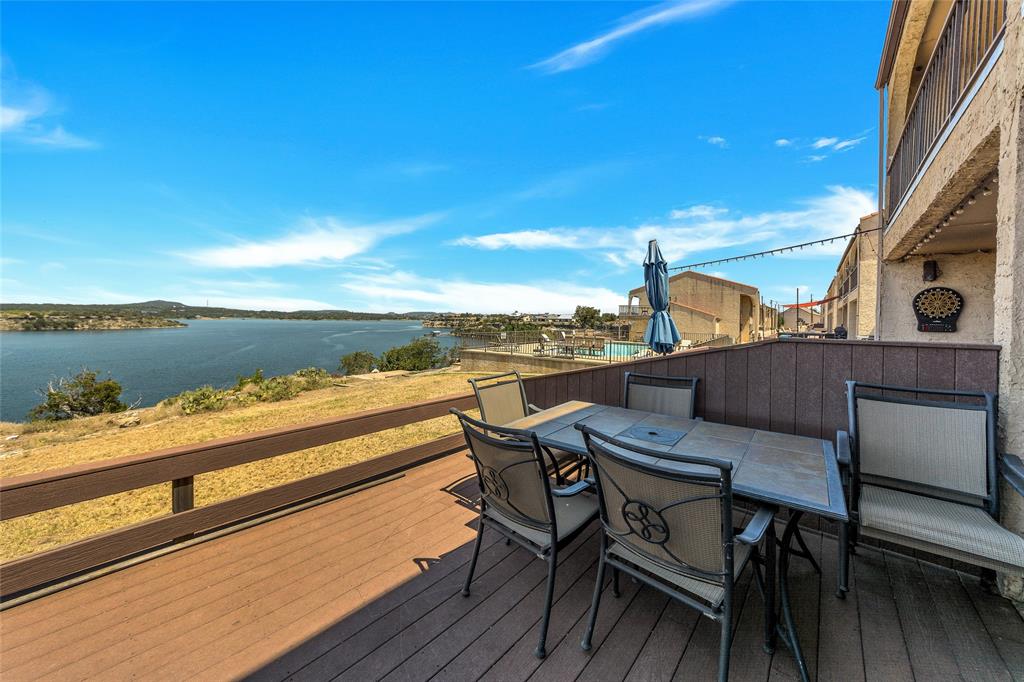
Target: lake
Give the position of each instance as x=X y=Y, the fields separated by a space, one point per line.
x=152 y=364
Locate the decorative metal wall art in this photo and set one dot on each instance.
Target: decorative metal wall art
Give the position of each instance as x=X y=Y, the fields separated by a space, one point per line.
x=937 y=309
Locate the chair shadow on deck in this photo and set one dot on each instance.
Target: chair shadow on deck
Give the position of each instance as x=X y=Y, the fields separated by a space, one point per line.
x=421 y=627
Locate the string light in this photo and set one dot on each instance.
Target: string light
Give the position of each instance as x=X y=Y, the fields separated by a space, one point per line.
x=773 y=252
x=985 y=189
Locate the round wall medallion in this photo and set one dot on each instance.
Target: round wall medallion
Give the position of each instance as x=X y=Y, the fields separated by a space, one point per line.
x=937 y=309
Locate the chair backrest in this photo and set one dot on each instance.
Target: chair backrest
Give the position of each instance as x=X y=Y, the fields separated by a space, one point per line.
x=677 y=515
x=943 y=449
x=511 y=471
x=662 y=394
x=501 y=397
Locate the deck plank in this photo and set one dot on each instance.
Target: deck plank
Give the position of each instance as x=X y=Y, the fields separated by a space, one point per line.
x=882 y=641
x=839 y=654
x=929 y=649
x=972 y=647
x=342 y=590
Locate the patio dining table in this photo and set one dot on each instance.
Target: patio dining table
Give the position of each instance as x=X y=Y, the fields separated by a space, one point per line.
x=798 y=473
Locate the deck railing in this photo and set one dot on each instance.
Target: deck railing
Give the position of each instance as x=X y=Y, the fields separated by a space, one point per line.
x=971 y=31
x=788 y=386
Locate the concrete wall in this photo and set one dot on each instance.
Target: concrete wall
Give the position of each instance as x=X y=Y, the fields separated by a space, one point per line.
x=719 y=297
x=973 y=275
x=480 y=361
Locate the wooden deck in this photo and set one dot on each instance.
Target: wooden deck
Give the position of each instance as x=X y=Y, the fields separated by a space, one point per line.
x=367 y=587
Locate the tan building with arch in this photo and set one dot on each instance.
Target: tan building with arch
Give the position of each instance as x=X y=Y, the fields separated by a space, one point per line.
x=702 y=304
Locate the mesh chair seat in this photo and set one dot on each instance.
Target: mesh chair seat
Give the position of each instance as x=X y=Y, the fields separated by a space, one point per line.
x=571 y=513
x=712 y=593
x=944 y=528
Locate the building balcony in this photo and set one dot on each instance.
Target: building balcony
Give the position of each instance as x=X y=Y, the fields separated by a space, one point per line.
x=356 y=573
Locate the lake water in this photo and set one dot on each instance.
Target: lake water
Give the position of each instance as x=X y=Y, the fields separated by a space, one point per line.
x=152 y=364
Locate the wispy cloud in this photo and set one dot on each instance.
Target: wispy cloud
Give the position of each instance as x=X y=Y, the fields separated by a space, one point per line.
x=698 y=211
x=823 y=142
x=28 y=113
x=783 y=142
x=814 y=158
x=567 y=182
x=848 y=144
x=701 y=229
x=716 y=140
x=416 y=169
x=400 y=290
x=522 y=239
x=285 y=304
x=592 y=50
x=315 y=241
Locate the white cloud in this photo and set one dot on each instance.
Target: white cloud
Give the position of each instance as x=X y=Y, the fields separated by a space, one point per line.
x=698 y=211
x=589 y=51
x=689 y=232
x=848 y=144
x=27 y=115
x=523 y=239
x=823 y=142
x=408 y=291
x=567 y=182
x=716 y=140
x=783 y=142
x=814 y=158
x=316 y=241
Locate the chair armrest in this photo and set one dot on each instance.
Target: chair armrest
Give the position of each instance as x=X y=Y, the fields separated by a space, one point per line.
x=1012 y=469
x=574 y=489
x=755 y=530
x=533 y=409
x=843 y=448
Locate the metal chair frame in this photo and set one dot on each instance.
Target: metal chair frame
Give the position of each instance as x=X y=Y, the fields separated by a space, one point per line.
x=528 y=409
x=525 y=441
x=760 y=527
x=693 y=381
x=848 y=454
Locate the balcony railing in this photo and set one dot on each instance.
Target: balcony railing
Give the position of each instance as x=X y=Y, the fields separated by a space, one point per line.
x=972 y=29
x=634 y=311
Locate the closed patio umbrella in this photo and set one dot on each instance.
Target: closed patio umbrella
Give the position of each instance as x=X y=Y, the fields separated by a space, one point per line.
x=661 y=334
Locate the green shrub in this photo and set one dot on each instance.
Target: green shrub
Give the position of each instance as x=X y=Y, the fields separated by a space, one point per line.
x=203 y=399
x=80 y=396
x=313 y=377
x=278 y=388
x=254 y=379
x=359 y=362
x=422 y=353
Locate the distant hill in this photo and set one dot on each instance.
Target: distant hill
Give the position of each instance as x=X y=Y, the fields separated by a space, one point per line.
x=175 y=310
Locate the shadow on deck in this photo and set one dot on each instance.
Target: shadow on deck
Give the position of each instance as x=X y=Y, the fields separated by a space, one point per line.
x=367 y=587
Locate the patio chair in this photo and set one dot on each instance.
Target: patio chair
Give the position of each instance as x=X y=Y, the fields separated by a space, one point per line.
x=519 y=501
x=675 y=396
x=923 y=474
x=502 y=399
x=669 y=525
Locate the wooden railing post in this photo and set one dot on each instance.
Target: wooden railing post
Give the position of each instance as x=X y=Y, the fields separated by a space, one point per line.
x=182 y=497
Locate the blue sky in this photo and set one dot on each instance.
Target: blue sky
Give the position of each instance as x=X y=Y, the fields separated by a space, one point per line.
x=427 y=156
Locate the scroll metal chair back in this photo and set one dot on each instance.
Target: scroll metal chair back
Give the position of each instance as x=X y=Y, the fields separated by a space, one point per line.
x=670 y=525
x=518 y=501
x=501 y=397
x=675 y=396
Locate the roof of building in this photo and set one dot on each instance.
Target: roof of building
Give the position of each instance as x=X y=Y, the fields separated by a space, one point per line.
x=701 y=275
x=897 y=17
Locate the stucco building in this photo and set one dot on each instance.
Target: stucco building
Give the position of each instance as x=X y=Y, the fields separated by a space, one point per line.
x=951 y=99
x=701 y=304
x=802 y=319
x=850 y=299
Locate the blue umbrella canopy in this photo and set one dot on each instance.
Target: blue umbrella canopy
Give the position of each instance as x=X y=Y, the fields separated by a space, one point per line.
x=661 y=335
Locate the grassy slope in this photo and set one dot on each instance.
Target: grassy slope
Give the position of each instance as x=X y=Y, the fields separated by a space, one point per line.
x=96 y=438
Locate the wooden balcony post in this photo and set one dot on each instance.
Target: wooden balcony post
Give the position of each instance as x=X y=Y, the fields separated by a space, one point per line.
x=182 y=495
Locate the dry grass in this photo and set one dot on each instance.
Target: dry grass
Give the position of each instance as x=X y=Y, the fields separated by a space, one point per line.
x=53 y=446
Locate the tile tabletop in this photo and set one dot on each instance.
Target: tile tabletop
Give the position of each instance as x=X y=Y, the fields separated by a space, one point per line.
x=777 y=468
